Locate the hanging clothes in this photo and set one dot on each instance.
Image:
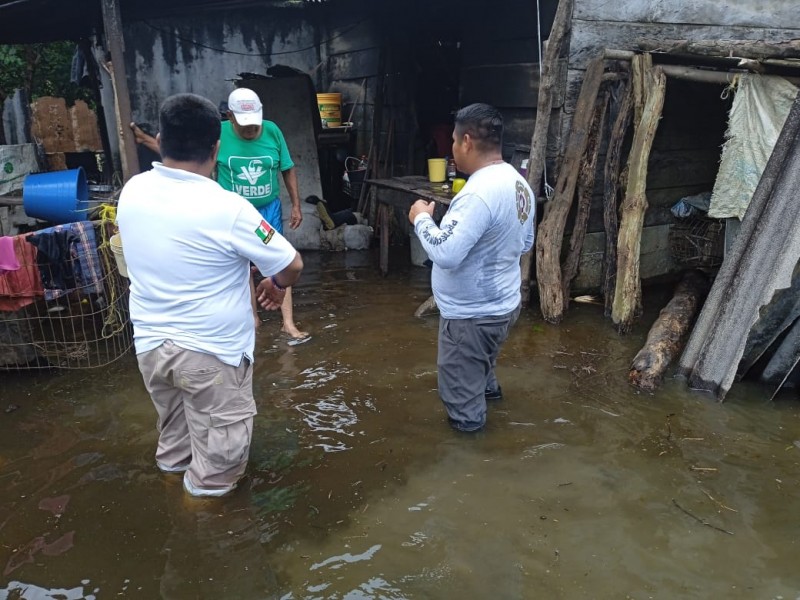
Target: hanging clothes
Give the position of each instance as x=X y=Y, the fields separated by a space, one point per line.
x=87 y=266
x=56 y=258
x=21 y=287
x=8 y=258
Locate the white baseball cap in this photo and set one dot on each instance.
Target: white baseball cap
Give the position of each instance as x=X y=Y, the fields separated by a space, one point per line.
x=245 y=106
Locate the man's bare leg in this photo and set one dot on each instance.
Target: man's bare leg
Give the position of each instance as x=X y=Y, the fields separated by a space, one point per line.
x=287 y=312
x=256 y=318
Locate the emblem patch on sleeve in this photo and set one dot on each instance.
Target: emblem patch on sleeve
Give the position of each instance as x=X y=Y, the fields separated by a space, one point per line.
x=265 y=232
x=523 y=202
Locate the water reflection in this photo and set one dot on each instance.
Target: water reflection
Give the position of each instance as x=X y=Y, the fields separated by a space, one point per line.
x=357 y=488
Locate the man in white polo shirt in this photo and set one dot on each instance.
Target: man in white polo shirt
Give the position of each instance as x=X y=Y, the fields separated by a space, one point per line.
x=188 y=245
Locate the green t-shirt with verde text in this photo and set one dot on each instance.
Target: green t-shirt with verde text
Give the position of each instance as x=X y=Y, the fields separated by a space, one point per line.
x=251 y=167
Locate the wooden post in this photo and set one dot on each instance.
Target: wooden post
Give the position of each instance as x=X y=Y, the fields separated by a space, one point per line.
x=112 y=24
x=426 y=307
x=611 y=190
x=544 y=107
x=551 y=232
x=628 y=291
x=383 y=223
x=544 y=103
x=668 y=333
x=588 y=169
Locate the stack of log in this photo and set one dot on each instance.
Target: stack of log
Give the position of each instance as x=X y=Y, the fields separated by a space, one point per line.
x=638 y=96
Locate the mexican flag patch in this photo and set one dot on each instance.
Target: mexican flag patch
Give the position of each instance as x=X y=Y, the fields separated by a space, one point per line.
x=265 y=232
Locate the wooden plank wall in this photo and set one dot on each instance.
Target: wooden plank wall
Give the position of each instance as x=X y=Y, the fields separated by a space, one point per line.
x=500 y=63
x=351 y=68
x=686 y=150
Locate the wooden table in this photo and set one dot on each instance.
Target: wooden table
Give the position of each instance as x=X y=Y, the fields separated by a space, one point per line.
x=402 y=192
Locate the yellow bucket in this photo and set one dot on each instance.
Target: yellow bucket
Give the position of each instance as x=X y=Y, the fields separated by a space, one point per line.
x=330 y=109
x=436 y=170
x=115 y=241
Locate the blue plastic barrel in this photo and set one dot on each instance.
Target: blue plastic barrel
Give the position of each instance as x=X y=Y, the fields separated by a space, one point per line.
x=58 y=197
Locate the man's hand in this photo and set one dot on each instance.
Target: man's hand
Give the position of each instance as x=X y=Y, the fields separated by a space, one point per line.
x=268 y=296
x=420 y=206
x=296 y=217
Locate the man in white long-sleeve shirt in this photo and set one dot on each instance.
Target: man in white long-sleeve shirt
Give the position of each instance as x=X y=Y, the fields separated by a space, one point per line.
x=475 y=252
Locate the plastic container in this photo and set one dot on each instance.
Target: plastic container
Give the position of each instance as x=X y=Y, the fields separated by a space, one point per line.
x=330 y=109
x=58 y=197
x=437 y=170
x=115 y=241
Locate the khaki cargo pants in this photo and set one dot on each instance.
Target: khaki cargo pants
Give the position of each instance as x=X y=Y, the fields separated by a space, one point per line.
x=205 y=416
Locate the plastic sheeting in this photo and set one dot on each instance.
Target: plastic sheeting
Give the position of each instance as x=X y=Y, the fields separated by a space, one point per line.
x=761 y=261
x=15 y=163
x=757 y=116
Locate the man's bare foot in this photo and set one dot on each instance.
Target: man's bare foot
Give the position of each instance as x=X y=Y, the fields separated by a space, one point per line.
x=294 y=333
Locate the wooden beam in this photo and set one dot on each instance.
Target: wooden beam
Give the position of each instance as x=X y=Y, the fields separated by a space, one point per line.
x=544 y=107
x=725 y=48
x=628 y=291
x=551 y=232
x=704 y=75
x=112 y=24
x=623 y=104
x=544 y=104
x=586 y=177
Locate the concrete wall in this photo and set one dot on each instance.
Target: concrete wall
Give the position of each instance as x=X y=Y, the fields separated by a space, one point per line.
x=204 y=53
x=354 y=48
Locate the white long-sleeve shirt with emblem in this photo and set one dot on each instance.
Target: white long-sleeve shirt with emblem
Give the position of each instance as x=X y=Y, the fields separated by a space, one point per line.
x=476 y=248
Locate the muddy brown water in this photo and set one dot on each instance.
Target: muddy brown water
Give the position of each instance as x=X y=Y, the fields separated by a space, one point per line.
x=579 y=487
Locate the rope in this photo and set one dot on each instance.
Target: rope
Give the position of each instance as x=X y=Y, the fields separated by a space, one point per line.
x=113 y=319
x=548 y=189
x=730 y=88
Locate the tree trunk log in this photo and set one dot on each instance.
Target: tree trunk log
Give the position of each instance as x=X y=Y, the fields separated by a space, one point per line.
x=668 y=333
x=544 y=108
x=586 y=177
x=551 y=232
x=628 y=291
x=611 y=190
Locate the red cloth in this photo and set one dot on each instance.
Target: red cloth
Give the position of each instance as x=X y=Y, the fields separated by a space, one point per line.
x=21 y=288
x=8 y=259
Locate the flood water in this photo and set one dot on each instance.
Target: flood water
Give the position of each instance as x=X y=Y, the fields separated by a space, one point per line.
x=579 y=487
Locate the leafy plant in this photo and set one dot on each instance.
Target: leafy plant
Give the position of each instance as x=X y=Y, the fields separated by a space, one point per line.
x=40 y=70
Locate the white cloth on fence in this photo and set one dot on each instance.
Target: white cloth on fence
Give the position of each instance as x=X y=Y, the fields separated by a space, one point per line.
x=757 y=116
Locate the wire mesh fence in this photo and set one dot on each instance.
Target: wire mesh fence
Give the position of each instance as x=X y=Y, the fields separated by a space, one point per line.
x=63 y=302
x=698 y=241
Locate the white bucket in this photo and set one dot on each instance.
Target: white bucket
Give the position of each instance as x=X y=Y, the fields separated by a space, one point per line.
x=115 y=241
x=418 y=254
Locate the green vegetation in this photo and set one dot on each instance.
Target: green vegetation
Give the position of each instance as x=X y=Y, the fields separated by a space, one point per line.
x=40 y=70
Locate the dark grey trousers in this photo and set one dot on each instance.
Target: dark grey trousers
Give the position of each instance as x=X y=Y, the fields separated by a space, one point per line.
x=468 y=350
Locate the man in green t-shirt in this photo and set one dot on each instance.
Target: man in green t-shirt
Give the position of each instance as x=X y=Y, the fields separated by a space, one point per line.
x=252 y=153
